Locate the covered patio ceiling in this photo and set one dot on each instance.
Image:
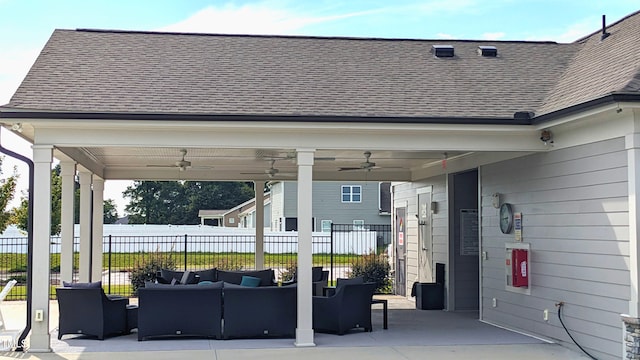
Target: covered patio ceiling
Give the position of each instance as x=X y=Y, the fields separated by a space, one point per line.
x=237 y=151
x=256 y=163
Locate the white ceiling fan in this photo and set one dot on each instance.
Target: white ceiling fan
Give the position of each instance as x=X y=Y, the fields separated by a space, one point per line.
x=181 y=164
x=271 y=171
x=367 y=165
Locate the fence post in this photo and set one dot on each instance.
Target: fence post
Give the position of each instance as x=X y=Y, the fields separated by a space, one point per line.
x=331 y=252
x=109 y=262
x=185 y=251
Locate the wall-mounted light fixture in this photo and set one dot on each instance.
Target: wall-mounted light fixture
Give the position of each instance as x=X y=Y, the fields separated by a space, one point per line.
x=16 y=127
x=546 y=137
x=495 y=200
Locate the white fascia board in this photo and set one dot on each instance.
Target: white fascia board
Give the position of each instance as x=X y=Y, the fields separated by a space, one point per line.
x=600 y=126
x=419 y=137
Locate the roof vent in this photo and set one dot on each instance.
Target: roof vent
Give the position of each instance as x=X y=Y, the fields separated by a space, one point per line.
x=488 y=51
x=442 y=50
x=524 y=115
x=605 y=34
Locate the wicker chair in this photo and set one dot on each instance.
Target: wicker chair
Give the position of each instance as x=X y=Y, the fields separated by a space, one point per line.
x=88 y=311
x=348 y=308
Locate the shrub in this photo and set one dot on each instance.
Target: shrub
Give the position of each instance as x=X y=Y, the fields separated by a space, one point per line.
x=289 y=272
x=374 y=268
x=231 y=264
x=146 y=268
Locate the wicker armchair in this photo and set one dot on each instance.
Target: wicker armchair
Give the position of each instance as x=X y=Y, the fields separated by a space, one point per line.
x=88 y=311
x=348 y=308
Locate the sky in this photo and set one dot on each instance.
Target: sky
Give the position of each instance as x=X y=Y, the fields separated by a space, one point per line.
x=25 y=26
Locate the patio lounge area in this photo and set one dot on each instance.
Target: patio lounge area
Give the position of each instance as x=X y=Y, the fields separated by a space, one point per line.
x=412 y=334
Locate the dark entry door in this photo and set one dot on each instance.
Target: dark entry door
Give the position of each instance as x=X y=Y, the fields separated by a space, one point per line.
x=401 y=254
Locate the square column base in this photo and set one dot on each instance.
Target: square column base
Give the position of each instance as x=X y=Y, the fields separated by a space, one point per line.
x=304 y=338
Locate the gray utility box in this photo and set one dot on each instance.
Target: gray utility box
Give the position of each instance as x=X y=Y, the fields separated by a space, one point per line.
x=430 y=296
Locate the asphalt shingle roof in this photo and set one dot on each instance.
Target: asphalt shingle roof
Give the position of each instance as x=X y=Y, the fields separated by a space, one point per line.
x=168 y=73
x=601 y=67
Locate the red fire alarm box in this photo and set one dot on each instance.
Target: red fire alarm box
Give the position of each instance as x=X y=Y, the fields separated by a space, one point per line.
x=519 y=268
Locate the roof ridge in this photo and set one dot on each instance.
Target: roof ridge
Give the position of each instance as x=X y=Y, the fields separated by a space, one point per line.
x=599 y=31
x=281 y=36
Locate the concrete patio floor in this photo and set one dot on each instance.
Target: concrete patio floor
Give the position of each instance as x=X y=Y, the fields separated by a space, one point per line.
x=412 y=334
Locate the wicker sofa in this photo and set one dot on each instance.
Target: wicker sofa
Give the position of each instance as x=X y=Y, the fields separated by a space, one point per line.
x=165 y=276
x=185 y=311
x=199 y=310
x=265 y=311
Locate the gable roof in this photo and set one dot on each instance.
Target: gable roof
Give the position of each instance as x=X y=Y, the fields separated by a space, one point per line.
x=601 y=67
x=205 y=76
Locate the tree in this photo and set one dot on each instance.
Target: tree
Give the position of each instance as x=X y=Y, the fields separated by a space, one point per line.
x=110 y=212
x=173 y=202
x=19 y=215
x=7 y=192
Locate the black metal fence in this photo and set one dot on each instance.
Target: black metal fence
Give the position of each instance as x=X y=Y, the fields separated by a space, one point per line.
x=335 y=251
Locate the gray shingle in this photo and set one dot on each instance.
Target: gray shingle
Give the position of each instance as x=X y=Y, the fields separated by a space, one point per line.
x=601 y=67
x=140 y=72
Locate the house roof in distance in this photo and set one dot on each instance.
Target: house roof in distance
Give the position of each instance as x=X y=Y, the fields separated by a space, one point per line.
x=289 y=77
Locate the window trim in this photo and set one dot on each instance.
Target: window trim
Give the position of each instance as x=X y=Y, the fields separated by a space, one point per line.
x=350 y=193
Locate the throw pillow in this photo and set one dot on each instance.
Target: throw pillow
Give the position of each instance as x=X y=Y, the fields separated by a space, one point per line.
x=208 y=275
x=77 y=285
x=250 y=281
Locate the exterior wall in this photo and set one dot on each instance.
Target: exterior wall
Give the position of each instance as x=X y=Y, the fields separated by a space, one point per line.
x=574 y=209
x=277 y=205
x=327 y=203
x=406 y=193
x=232 y=218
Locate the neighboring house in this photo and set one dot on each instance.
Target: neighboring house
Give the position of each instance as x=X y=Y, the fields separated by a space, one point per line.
x=242 y=215
x=349 y=202
x=212 y=217
x=492 y=148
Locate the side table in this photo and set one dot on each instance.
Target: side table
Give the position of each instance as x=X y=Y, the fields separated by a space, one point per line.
x=132 y=317
x=385 y=304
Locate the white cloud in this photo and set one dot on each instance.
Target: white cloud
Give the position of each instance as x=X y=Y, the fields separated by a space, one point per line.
x=445 y=36
x=570 y=33
x=493 y=36
x=260 y=18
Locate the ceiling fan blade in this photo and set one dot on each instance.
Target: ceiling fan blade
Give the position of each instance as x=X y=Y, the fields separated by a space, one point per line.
x=162 y=166
x=350 y=168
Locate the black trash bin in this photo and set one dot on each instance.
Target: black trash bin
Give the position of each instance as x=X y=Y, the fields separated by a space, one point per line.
x=430 y=296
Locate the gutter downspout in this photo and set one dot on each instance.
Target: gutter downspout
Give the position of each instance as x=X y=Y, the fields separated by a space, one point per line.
x=27 y=329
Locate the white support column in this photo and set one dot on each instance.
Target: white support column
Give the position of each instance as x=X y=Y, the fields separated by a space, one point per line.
x=41 y=202
x=631 y=320
x=259 y=191
x=304 y=332
x=96 y=227
x=68 y=176
x=633 y=166
x=84 y=268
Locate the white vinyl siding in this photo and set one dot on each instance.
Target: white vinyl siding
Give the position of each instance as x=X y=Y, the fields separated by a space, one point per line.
x=575 y=217
x=406 y=193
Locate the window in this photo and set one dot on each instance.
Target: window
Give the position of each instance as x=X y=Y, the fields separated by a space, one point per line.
x=351 y=193
x=326 y=225
x=358 y=224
